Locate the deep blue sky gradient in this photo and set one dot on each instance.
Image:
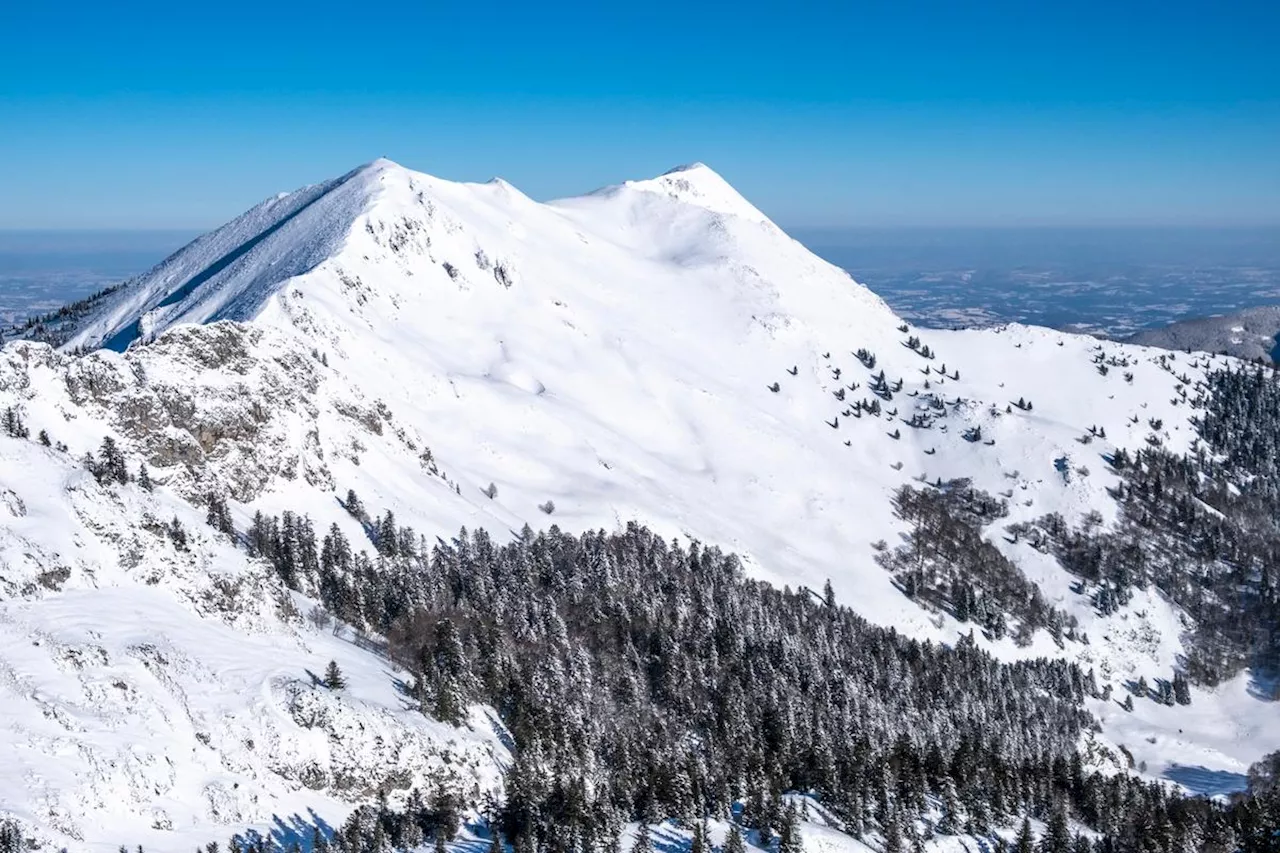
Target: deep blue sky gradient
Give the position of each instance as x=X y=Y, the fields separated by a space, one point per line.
x=823 y=114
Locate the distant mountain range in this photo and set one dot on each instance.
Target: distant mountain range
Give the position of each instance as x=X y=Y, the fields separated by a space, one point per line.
x=1249 y=334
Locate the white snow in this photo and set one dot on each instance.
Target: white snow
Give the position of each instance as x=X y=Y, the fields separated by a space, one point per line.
x=612 y=354
x=165 y=698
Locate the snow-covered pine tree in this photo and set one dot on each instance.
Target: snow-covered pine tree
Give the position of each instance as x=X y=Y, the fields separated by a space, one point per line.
x=333 y=678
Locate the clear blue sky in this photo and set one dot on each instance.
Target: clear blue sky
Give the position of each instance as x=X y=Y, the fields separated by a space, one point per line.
x=823 y=114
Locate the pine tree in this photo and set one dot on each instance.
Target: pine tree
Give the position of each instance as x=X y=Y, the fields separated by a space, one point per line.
x=642 y=844
x=111 y=466
x=733 y=842
x=333 y=677
x=335 y=552
x=386 y=539
x=893 y=834
x=448 y=811
x=144 y=479
x=218 y=514
x=177 y=534
x=1057 y=836
x=13 y=424
x=698 y=844
x=1026 y=841
x=353 y=506
x=1181 y=689
x=917 y=837
x=764 y=828
x=789 y=831
x=451 y=674
x=11 y=840
x=949 y=823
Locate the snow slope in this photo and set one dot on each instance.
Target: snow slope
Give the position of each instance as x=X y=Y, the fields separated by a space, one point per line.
x=165 y=697
x=417 y=339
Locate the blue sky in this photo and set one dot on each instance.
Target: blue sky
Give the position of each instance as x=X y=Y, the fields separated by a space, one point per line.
x=823 y=114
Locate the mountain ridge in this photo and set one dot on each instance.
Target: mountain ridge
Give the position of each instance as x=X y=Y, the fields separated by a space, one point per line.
x=220 y=260
x=1250 y=334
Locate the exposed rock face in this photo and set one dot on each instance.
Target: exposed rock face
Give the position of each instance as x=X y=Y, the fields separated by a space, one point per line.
x=227 y=407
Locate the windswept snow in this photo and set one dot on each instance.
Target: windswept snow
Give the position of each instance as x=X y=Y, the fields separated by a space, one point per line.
x=417 y=339
x=696 y=184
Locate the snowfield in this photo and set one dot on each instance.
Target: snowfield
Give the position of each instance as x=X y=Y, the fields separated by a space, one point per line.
x=657 y=350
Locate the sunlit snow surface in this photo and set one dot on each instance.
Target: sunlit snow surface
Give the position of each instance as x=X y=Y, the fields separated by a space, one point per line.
x=612 y=354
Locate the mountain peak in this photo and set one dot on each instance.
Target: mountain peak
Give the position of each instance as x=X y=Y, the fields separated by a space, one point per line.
x=698 y=184
x=695 y=166
x=230 y=273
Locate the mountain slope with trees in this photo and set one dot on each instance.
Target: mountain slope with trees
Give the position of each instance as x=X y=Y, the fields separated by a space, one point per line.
x=317 y=397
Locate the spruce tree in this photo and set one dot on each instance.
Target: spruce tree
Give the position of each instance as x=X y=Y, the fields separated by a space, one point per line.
x=1026 y=840
x=11 y=840
x=451 y=674
x=1057 y=836
x=333 y=677
x=789 y=831
x=643 y=843
x=893 y=834
x=1181 y=689
x=733 y=842
x=111 y=466
x=13 y=424
x=949 y=823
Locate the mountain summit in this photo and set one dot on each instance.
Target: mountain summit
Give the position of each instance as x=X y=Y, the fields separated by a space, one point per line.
x=231 y=273
x=699 y=185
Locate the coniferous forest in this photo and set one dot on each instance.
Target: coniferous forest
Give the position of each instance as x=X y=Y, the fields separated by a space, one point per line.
x=1200 y=527
x=643 y=680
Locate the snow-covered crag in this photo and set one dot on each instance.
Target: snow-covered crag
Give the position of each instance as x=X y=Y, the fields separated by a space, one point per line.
x=657 y=350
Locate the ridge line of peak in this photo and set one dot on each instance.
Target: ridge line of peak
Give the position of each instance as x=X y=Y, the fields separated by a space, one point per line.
x=695 y=166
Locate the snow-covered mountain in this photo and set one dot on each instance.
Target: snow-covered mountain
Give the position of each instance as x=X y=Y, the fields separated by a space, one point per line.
x=1249 y=334
x=657 y=350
